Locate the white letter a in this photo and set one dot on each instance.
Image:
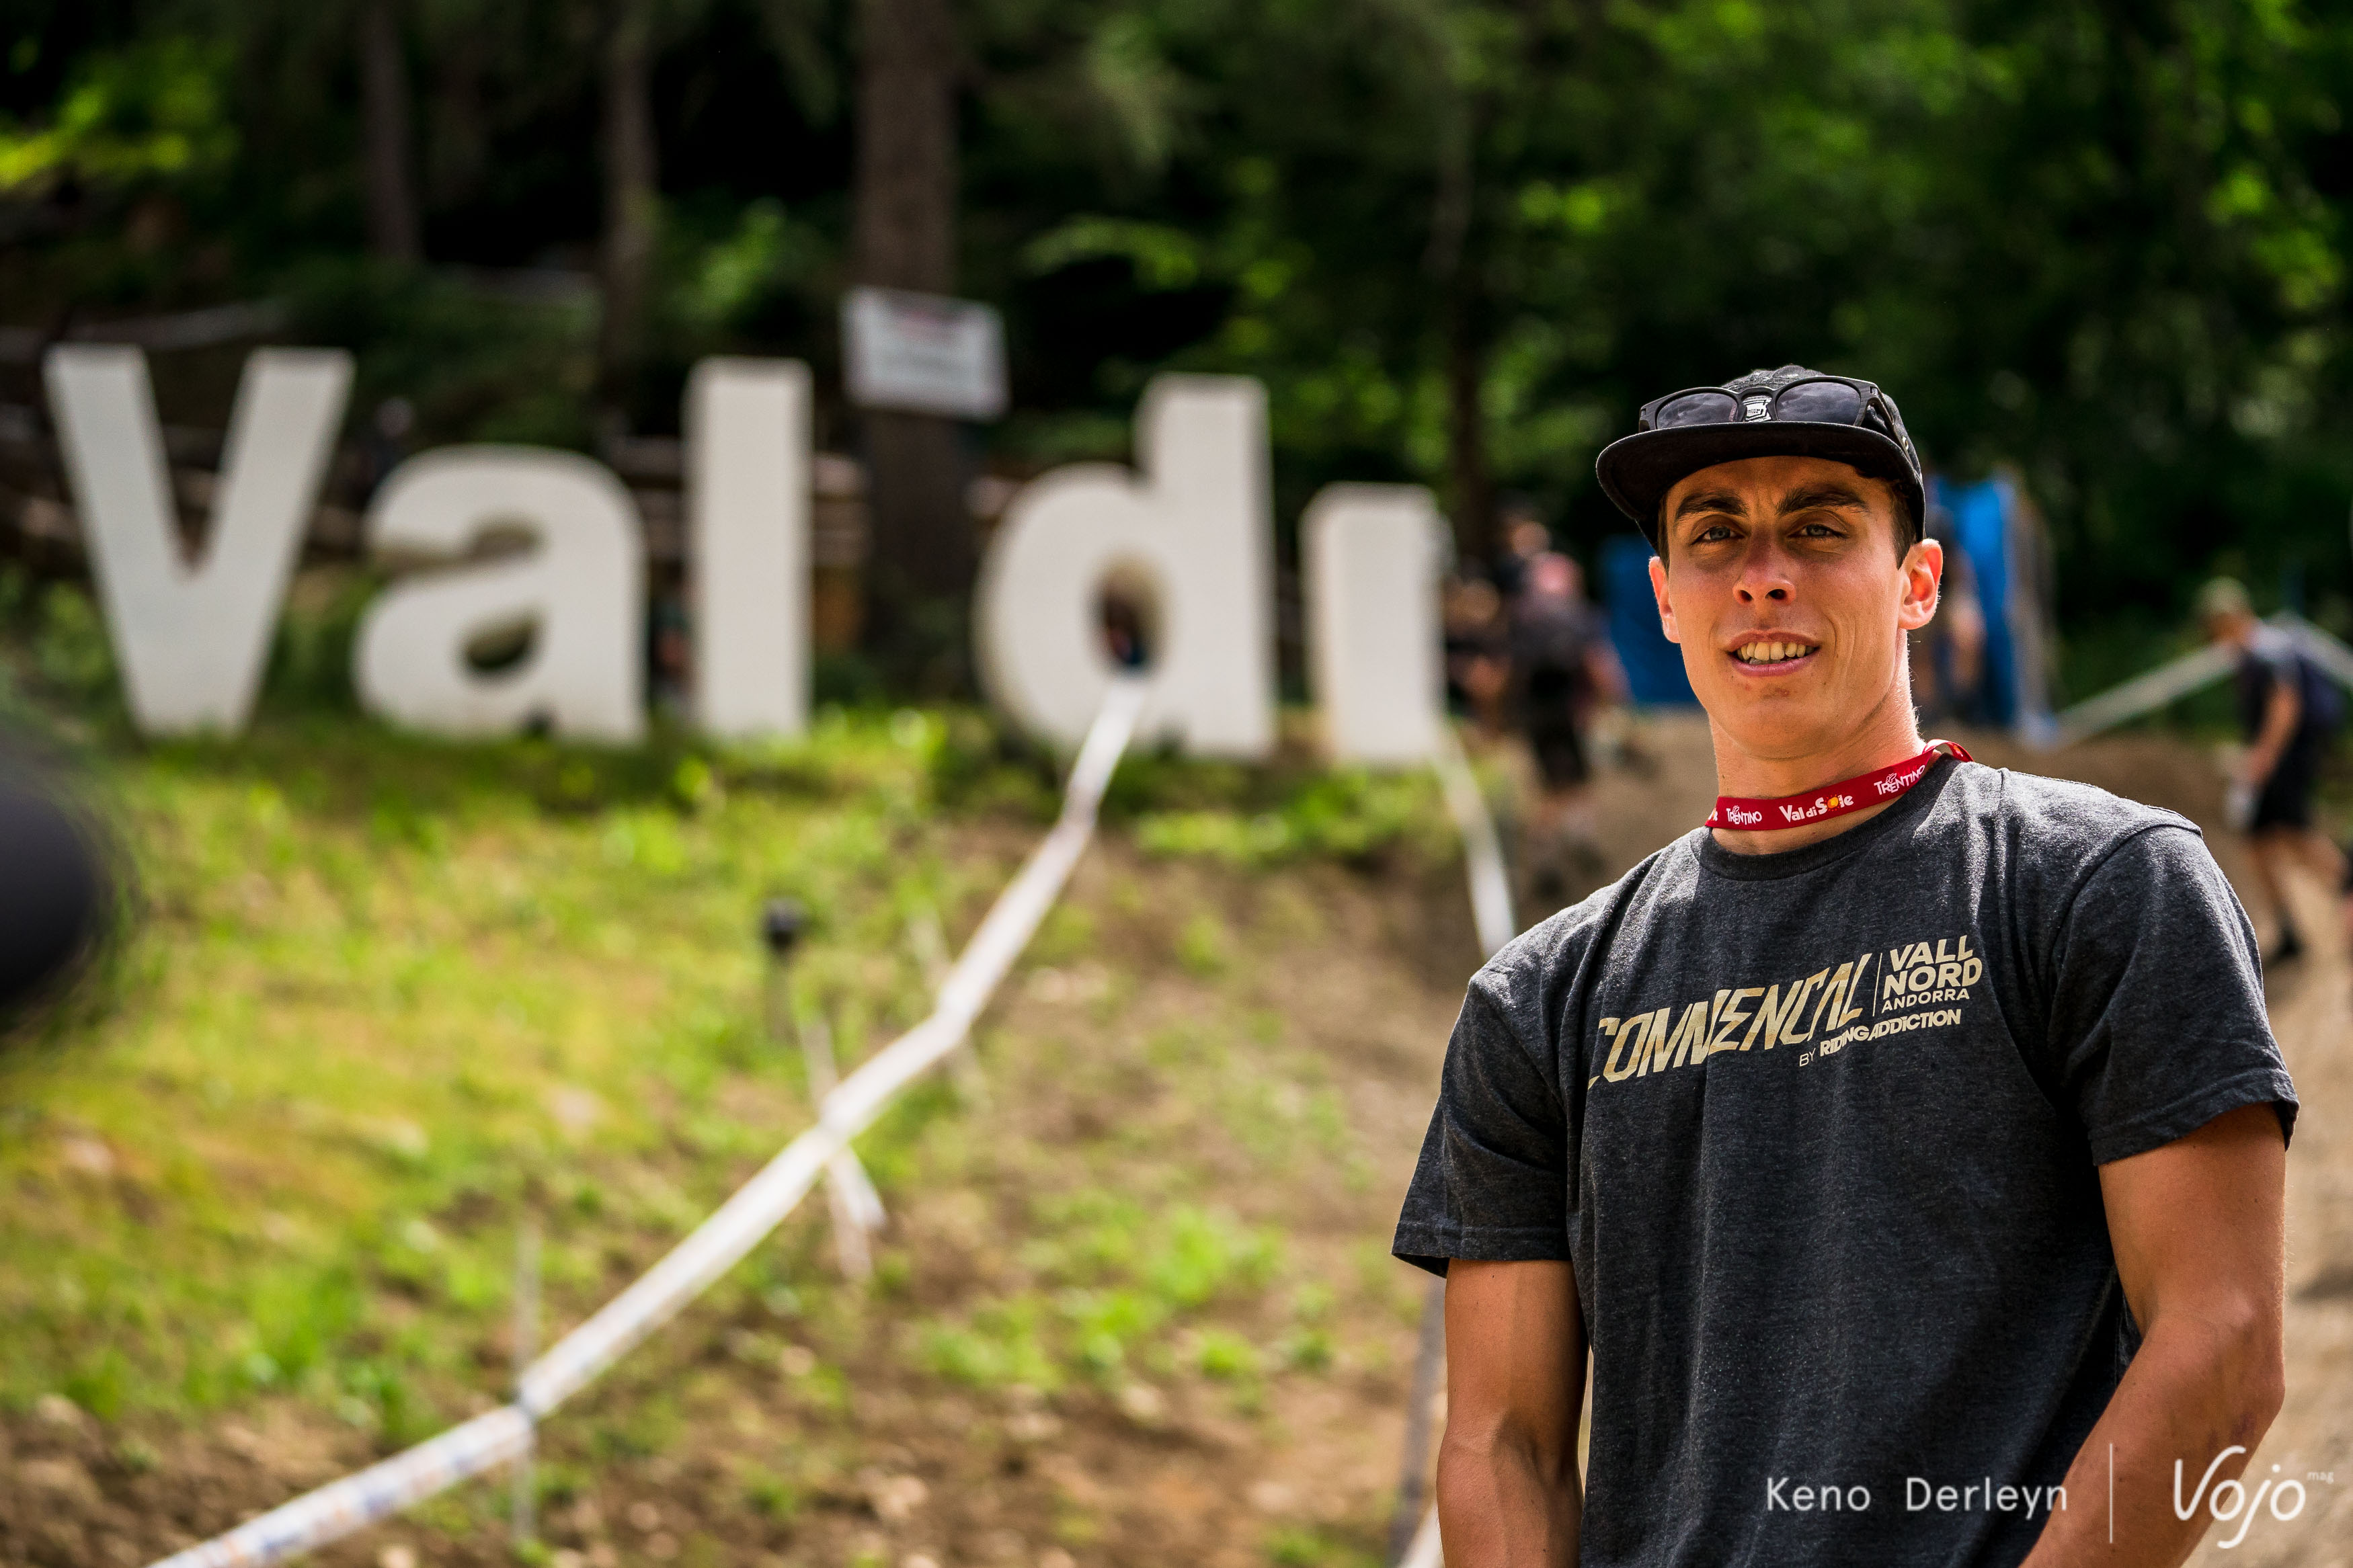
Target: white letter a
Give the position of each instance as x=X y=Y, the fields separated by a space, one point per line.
x=191 y=638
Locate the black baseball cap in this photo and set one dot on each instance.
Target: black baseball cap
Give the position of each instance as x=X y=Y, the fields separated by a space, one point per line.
x=1791 y=411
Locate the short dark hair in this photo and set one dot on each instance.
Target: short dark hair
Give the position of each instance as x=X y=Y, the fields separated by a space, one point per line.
x=1909 y=530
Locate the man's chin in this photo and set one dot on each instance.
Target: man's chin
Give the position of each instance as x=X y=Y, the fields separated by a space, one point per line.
x=1779 y=725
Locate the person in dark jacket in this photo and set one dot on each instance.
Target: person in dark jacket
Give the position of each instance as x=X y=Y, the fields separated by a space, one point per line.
x=2288 y=712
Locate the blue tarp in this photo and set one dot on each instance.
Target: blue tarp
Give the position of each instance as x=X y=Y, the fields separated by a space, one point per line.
x=1654 y=666
x=1981 y=516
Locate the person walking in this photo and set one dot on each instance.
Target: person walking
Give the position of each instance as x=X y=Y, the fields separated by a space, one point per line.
x=1906 y=1144
x=2288 y=711
x=1561 y=670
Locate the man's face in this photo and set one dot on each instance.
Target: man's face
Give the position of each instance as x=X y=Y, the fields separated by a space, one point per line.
x=1783 y=585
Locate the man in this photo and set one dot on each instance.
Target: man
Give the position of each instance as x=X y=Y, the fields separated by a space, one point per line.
x=2288 y=712
x=1907 y=1151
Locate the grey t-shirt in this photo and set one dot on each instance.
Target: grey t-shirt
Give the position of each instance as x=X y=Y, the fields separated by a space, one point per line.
x=1865 y=1251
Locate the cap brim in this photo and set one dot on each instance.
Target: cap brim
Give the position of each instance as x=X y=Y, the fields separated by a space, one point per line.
x=1637 y=471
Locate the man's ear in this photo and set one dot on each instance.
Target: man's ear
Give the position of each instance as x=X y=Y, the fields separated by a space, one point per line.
x=1923 y=576
x=1659 y=589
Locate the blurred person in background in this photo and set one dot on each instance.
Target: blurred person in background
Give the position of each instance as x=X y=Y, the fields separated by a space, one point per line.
x=2288 y=711
x=1524 y=537
x=1948 y=653
x=1562 y=669
x=1478 y=655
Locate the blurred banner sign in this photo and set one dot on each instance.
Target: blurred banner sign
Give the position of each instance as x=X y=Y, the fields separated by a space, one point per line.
x=924 y=354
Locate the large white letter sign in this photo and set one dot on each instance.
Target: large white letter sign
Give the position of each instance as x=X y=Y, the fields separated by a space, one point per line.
x=1371 y=555
x=747 y=429
x=1194 y=524
x=581 y=589
x=191 y=636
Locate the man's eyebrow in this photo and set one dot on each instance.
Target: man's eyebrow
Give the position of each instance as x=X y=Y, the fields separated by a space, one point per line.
x=1820 y=496
x=1710 y=501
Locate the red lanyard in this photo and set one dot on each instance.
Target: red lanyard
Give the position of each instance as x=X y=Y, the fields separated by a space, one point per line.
x=1857 y=793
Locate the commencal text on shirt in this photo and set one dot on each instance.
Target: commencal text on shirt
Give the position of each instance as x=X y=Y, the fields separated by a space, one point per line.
x=1920 y=985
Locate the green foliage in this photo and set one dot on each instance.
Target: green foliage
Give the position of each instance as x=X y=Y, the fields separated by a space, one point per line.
x=999 y=1345
x=475 y=362
x=1350 y=814
x=1305 y=1546
x=2106 y=245
x=390 y=998
x=156 y=109
x=1130 y=1279
x=70 y=650
x=773 y=1495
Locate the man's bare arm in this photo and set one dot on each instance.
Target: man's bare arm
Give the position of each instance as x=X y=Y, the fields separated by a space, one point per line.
x=1508 y=1493
x=2282 y=713
x=2197 y=1230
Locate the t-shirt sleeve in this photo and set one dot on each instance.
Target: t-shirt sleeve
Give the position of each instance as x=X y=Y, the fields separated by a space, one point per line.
x=2157 y=999
x=1492 y=1182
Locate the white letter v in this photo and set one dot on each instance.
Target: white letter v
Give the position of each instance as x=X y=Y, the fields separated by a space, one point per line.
x=191 y=638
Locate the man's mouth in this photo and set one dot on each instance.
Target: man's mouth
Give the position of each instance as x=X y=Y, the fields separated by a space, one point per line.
x=1784 y=651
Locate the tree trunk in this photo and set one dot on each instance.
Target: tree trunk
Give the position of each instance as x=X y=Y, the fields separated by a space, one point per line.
x=632 y=197
x=384 y=132
x=1453 y=262
x=1470 y=484
x=458 y=141
x=920 y=568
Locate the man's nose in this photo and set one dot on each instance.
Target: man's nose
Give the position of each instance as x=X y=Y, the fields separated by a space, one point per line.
x=1764 y=575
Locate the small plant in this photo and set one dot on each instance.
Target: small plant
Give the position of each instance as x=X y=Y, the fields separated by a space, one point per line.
x=1103 y=1323
x=1309 y=1349
x=69 y=646
x=1209 y=1253
x=1304 y=1546
x=999 y=1347
x=1201 y=946
x=1226 y=1357
x=771 y=1493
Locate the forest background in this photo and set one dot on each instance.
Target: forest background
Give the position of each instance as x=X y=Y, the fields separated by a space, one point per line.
x=1459 y=240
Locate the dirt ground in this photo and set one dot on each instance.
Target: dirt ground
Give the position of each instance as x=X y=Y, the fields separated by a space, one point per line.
x=1183 y=1037
x=880 y=1462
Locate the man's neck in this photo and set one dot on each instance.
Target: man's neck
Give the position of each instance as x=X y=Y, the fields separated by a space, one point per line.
x=1891 y=734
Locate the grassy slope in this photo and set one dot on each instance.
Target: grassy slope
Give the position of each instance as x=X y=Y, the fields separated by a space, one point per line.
x=388 y=1000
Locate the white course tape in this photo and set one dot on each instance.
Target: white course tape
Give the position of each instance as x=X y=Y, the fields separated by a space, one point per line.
x=1491 y=912
x=719 y=1242
x=1491 y=887
x=1425 y=1551
x=378 y=1492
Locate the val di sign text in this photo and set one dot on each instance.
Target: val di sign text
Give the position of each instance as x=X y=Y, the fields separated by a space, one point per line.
x=1192 y=518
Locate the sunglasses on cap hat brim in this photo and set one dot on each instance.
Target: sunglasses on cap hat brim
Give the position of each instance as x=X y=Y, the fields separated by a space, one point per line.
x=1817 y=400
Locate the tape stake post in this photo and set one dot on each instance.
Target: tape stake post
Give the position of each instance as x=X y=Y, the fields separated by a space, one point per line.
x=523 y=1504
x=719 y=1242
x=1490 y=913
